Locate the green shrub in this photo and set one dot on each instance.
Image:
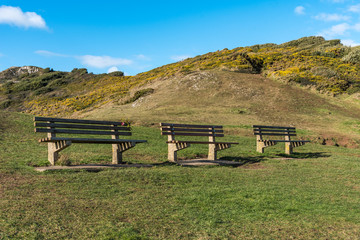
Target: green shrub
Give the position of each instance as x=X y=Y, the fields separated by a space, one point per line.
x=5 y=104
x=117 y=74
x=353 y=56
x=79 y=71
x=139 y=94
x=43 y=90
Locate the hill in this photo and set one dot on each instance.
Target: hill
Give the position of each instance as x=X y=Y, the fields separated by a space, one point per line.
x=310 y=83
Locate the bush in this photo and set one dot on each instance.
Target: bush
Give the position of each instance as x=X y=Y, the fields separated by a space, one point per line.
x=79 y=71
x=139 y=94
x=353 y=56
x=43 y=90
x=117 y=74
x=5 y=104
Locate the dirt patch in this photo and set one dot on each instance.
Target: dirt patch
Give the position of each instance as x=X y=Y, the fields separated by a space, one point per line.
x=335 y=140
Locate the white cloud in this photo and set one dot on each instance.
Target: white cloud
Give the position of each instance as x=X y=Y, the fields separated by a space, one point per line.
x=180 y=58
x=299 y=10
x=113 y=69
x=143 y=57
x=103 y=61
x=331 y=17
x=50 y=54
x=336 y=30
x=349 y=42
x=16 y=17
x=355 y=8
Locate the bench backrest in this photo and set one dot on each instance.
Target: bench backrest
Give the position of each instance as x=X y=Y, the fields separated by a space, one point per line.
x=52 y=126
x=172 y=129
x=286 y=132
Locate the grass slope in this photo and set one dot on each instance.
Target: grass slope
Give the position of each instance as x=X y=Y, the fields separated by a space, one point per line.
x=326 y=66
x=240 y=99
x=314 y=195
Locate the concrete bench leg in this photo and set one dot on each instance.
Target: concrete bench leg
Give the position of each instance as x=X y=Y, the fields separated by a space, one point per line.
x=288 y=148
x=173 y=148
x=213 y=148
x=118 y=149
x=260 y=145
x=54 y=148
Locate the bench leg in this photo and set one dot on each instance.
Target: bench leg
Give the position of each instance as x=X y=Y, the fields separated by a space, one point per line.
x=54 y=148
x=173 y=148
x=213 y=148
x=260 y=147
x=288 y=148
x=118 y=149
x=212 y=152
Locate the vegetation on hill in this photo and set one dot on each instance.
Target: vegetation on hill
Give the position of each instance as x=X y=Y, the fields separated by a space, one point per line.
x=327 y=66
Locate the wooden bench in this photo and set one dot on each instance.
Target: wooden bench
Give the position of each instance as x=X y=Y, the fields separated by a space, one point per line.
x=171 y=130
x=286 y=132
x=53 y=126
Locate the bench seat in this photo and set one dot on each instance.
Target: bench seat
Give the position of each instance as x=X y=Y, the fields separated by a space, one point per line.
x=91 y=140
x=211 y=131
x=290 y=141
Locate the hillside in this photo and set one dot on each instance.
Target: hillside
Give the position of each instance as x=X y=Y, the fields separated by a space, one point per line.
x=309 y=83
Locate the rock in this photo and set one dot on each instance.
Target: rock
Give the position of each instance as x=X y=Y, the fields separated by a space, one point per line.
x=14 y=72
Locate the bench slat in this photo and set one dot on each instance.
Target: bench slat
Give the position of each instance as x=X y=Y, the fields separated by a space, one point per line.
x=261 y=126
x=79 y=126
x=192 y=134
x=288 y=140
x=91 y=140
x=65 y=120
x=274 y=131
x=199 y=142
x=46 y=130
x=275 y=134
x=167 y=129
x=189 y=125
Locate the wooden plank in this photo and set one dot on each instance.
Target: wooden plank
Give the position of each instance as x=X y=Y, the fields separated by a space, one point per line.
x=191 y=130
x=274 y=130
x=274 y=134
x=65 y=120
x=79 y=126
x=288 y=140
x=192 y=134
x=46 y=130
x=189 y=125
x=91 y=140
x=261 y=126
x=201 y=142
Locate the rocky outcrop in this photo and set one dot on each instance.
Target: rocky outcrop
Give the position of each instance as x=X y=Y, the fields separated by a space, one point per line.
x=14 y=72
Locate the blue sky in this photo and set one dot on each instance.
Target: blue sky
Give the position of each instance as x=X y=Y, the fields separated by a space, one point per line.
x=136 y=36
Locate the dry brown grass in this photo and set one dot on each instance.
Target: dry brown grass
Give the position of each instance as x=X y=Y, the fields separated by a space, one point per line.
x=228 y=98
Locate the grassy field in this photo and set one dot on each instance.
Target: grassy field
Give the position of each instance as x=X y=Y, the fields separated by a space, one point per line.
x=315 y=194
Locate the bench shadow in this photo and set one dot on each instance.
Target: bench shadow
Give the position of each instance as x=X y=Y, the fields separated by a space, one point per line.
x=243 y=160
x=223 y=161
x=305 y=155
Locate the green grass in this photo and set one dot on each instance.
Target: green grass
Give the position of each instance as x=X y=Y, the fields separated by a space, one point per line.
x=315 y=194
